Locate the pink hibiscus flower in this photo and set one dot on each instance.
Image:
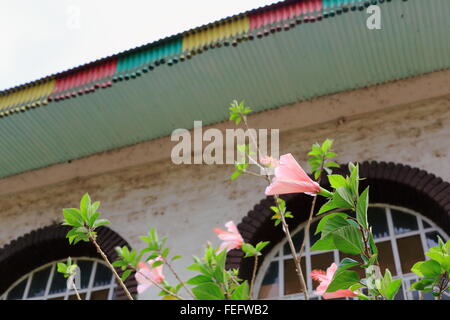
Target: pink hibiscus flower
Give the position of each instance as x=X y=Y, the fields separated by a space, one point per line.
x=232 y=239
x=325 y=280
x=147 y=275
x=291 y=178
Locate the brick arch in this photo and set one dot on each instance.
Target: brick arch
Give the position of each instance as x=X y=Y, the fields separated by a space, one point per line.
x=49 y=243
x=390 y=183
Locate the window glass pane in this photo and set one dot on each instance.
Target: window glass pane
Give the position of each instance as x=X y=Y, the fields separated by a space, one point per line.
x=320 y=262
x=386 y=257
x=403 y=222
x=399 y=295
x=426 y=225
x=85 y=271
x=410 y=251
x=270 y=284
x=291 y=282
x=297 y=239
x=102 y=276
x=59 y=283
x=74 y=297
x=378 y=222
x=432 y=239
x=17 y=292
x=100 y=295
x=39 y=282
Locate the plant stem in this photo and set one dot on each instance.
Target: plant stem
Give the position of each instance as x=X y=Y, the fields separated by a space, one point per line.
x=105 y=258
x=283 y=219
x=298 y=268
x=176 y=276
x=252 y=284
x=76 y=291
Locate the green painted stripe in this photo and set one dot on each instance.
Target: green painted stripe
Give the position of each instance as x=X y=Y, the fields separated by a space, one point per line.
x=336 y=3
x=138 y=58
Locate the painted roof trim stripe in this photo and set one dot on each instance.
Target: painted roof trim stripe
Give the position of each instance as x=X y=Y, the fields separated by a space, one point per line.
x=132 y=63
x=309 y=8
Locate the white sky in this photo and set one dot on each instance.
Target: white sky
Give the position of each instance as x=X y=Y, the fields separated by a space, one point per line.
x=42 y=37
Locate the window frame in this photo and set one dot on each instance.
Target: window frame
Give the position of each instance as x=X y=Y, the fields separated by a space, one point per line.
x=407 y=277
x=88 y=291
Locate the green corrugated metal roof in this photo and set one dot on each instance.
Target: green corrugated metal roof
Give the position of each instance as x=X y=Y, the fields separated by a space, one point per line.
x=310 y=60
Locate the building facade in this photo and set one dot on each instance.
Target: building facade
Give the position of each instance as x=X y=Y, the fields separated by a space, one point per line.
x=309 y=68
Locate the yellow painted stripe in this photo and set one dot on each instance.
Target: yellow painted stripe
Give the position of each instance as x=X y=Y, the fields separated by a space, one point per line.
x=218 y=32
x=28 y=95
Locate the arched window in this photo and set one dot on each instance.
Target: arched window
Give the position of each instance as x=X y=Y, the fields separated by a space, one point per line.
x=409 y=207
x=402 y=237
x=45 y=283
x=28 y=266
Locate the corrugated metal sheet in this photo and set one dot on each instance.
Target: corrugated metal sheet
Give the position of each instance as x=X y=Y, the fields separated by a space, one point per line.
x=309 y=60
x=144 y=56
x=206 y=36
x=337 y=3
x=269 y=17
x=96 y=74
x=32 y=94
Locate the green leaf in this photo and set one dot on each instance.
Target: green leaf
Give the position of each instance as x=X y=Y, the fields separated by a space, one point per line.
x=261 y=245
x=346 y=263
x=442 y=259
x=372 y=244
x=199 y=280
x=157 y=263
x=119 y=263
x=355 y=287
x=165 y=252
x=343 y=280
x=392 y=289
x=430 y=268
x=361 y=208
x=208 y=291
x=332 y=164
x=348 y=240
x=62 y=268
x=218 y=274
x=176 y=258
x=335 y=202
x=85 y=204
x=346 y=195
x=126 y=274
x=422 y=284
x=101 y=222
x=337 y=181
x=324 y=244
x=235 y=175
x=73 y=217
x=221 y=258
x=326 y=145
x=354 y=178
x=241 y=292
x=331 y=222
x=93 y=218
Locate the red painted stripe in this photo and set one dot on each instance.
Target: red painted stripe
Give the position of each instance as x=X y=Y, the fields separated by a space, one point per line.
x=79 y=78
x=285 y=12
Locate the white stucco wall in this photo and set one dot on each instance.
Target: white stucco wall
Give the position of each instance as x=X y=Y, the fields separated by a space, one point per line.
x=185 y=202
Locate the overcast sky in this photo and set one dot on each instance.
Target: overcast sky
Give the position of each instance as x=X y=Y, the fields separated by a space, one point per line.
x=41 y=37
